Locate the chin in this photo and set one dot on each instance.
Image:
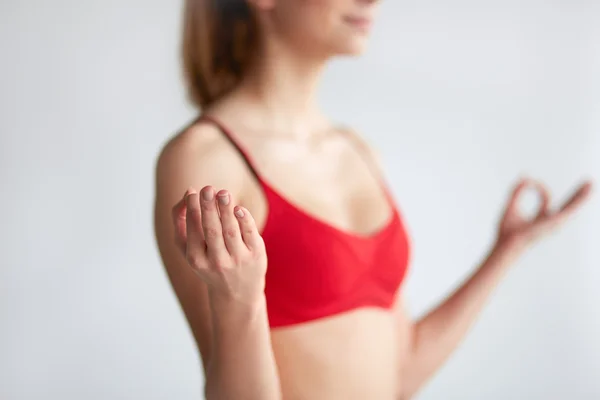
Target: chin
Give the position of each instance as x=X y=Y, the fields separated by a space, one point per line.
x=354 y=48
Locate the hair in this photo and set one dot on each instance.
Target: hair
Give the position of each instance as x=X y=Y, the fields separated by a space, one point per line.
x=218 y=38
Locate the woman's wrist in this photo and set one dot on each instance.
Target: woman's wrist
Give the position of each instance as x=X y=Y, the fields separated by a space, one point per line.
x=510 y=249
x=503 y=255
x=228 y=310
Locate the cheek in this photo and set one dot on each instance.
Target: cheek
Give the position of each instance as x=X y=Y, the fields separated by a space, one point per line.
x=315 y=13
x=311 y=24
x=319 y=23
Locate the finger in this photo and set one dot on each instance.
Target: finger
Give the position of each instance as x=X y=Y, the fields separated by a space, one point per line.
x=179 y=221
x=519 y=189
x=196 y=246
x=570 y=206
x=231 y=228
x=248 y=228
x=576 y=200
x=544 y=209
x=211 y=223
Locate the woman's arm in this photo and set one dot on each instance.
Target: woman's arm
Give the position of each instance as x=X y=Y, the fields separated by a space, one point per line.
x=232 y=336
x=242 y=365
x=435 y=336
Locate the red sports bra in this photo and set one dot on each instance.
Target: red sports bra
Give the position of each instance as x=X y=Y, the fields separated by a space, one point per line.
x=316 y=270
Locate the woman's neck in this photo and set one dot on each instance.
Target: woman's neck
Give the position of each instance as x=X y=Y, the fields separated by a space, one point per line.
x=285 y=84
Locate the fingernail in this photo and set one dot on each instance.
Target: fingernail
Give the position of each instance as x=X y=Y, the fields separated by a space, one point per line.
x=223 y=199
x=207 y=195
x=239 y=213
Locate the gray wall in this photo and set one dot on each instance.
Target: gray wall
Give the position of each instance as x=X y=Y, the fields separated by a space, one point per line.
x=460 y=97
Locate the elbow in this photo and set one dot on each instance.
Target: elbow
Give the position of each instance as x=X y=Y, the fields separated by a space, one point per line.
x=406 y=395
x=408 y=391
x=405 y=392
x=210 y=389
x=412 y=379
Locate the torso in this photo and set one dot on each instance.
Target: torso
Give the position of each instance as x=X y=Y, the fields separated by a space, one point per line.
x=354 y=354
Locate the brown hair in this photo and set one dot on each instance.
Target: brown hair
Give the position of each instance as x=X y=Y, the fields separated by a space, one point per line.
x=218 y=36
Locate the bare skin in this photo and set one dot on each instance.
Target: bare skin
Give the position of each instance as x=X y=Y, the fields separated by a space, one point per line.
x=215 y=260
x=313 y=362
x=365 y=353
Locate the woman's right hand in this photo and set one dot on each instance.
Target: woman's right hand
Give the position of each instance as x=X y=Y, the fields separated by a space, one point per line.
x=222 y=244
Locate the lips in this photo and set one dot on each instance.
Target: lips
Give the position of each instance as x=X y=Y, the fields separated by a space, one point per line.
x=361 y=23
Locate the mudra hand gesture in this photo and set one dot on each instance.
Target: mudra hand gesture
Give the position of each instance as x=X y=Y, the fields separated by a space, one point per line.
x=517 y=232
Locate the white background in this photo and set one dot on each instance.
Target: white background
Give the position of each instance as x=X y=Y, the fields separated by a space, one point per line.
x=460 y=98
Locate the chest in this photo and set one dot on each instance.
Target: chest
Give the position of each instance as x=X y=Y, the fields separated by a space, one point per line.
x=331 y=183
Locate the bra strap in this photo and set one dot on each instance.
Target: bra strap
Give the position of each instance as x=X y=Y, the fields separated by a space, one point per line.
x=370 y=161
x=365 y=153
x=233 y=141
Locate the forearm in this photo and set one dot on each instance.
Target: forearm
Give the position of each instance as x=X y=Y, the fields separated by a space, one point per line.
x=242 y=365
x=436 y=335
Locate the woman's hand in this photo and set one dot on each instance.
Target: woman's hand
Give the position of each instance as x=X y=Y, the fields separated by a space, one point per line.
x=517 y=232
x=222 y=244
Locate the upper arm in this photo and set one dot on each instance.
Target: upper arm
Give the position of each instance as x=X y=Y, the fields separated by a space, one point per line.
x=195 y=158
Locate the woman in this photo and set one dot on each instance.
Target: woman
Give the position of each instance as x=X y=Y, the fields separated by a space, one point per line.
x=323 y=318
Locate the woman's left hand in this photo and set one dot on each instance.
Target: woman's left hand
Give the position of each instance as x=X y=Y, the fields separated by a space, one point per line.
x=517 y=232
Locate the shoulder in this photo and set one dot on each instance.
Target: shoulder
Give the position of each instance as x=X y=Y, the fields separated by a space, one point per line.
x=199 y=155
